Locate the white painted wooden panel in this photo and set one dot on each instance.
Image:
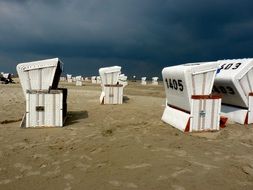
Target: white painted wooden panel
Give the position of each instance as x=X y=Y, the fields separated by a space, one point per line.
x=113 y=94
x=44 y=110
x=205 y=115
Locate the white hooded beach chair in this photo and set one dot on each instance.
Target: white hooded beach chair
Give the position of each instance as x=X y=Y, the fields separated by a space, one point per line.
x=112 y=91
x=98 y=79
x=69 y=78
x=234 y=82
x=62 y=79
x=123 y=80
x=46 y=105
x=94 y=80
x=79 y=80
x=154 y=80
x=143 y=80
x=189 y=104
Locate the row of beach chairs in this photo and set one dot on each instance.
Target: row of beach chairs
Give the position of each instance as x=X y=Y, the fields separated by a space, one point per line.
x=199 y=96
x=97 y=79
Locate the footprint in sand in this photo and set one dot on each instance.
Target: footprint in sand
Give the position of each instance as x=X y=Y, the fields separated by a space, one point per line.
x=5 y=181
x=56 y=163
x=181 y=153
x=22 y=167
x=132 y=185
x=179 y=172
x=82 y=167
x=221 y=158
x=177 y=187
x=115 y=183
x=41 y=156
x=19 y=177
x=205 y=166
x=162 y=178
x=86 y=157
x=68 y=187
x=136 y=166
x=248 y=170
x=53 y=173
x=33 y=173
x=160 y=149
x=68 y=177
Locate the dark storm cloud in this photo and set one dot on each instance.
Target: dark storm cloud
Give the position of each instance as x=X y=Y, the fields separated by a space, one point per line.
x=141 y=35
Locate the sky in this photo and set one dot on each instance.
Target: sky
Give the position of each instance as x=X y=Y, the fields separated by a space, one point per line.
x=142 y=36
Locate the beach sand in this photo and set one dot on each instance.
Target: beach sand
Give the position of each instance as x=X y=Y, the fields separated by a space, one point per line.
x=107 y=147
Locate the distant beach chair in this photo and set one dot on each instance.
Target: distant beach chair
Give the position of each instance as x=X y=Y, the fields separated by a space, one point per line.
x=143 y=80
x=123 y=80
x=46 y=104
x=190 y=106
x=112 y=91
x=94 y=80
x=62 y=78
x=69 y=78
x=98 y=80
x=155 y=80
x=134 y=78
x=79 y=80
x=234 y=81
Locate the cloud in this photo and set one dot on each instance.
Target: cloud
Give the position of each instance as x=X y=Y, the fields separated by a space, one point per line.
x=142 y=35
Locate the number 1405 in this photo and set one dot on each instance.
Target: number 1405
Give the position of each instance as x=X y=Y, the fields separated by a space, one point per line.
x=174 y=84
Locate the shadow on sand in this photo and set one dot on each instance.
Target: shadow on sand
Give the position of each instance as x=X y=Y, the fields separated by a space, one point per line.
x=125 y=99
x=75 y=116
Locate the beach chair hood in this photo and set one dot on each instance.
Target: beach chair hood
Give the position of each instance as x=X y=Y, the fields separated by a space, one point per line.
x=40 y=75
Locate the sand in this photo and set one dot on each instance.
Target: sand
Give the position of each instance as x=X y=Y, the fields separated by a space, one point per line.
x=107 y=147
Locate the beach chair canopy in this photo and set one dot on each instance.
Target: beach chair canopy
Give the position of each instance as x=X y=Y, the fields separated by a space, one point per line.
x=154 y=79
x=69 y=76
x=110 y=75
x=40 y=75
x=122 y=77
x=183 y=81
x=234 y=81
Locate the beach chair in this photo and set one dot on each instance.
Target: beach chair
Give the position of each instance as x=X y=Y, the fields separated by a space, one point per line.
x=133 y=78
x=190 y=106
x=154 y=80
x=79 y=80
x=143 y=80
x=69 y=78
x=123 y=80
x=112 y=91
x=94 y=80
x=234 y=82
x=46 y=104
x=98 y=79
x=62 y=79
